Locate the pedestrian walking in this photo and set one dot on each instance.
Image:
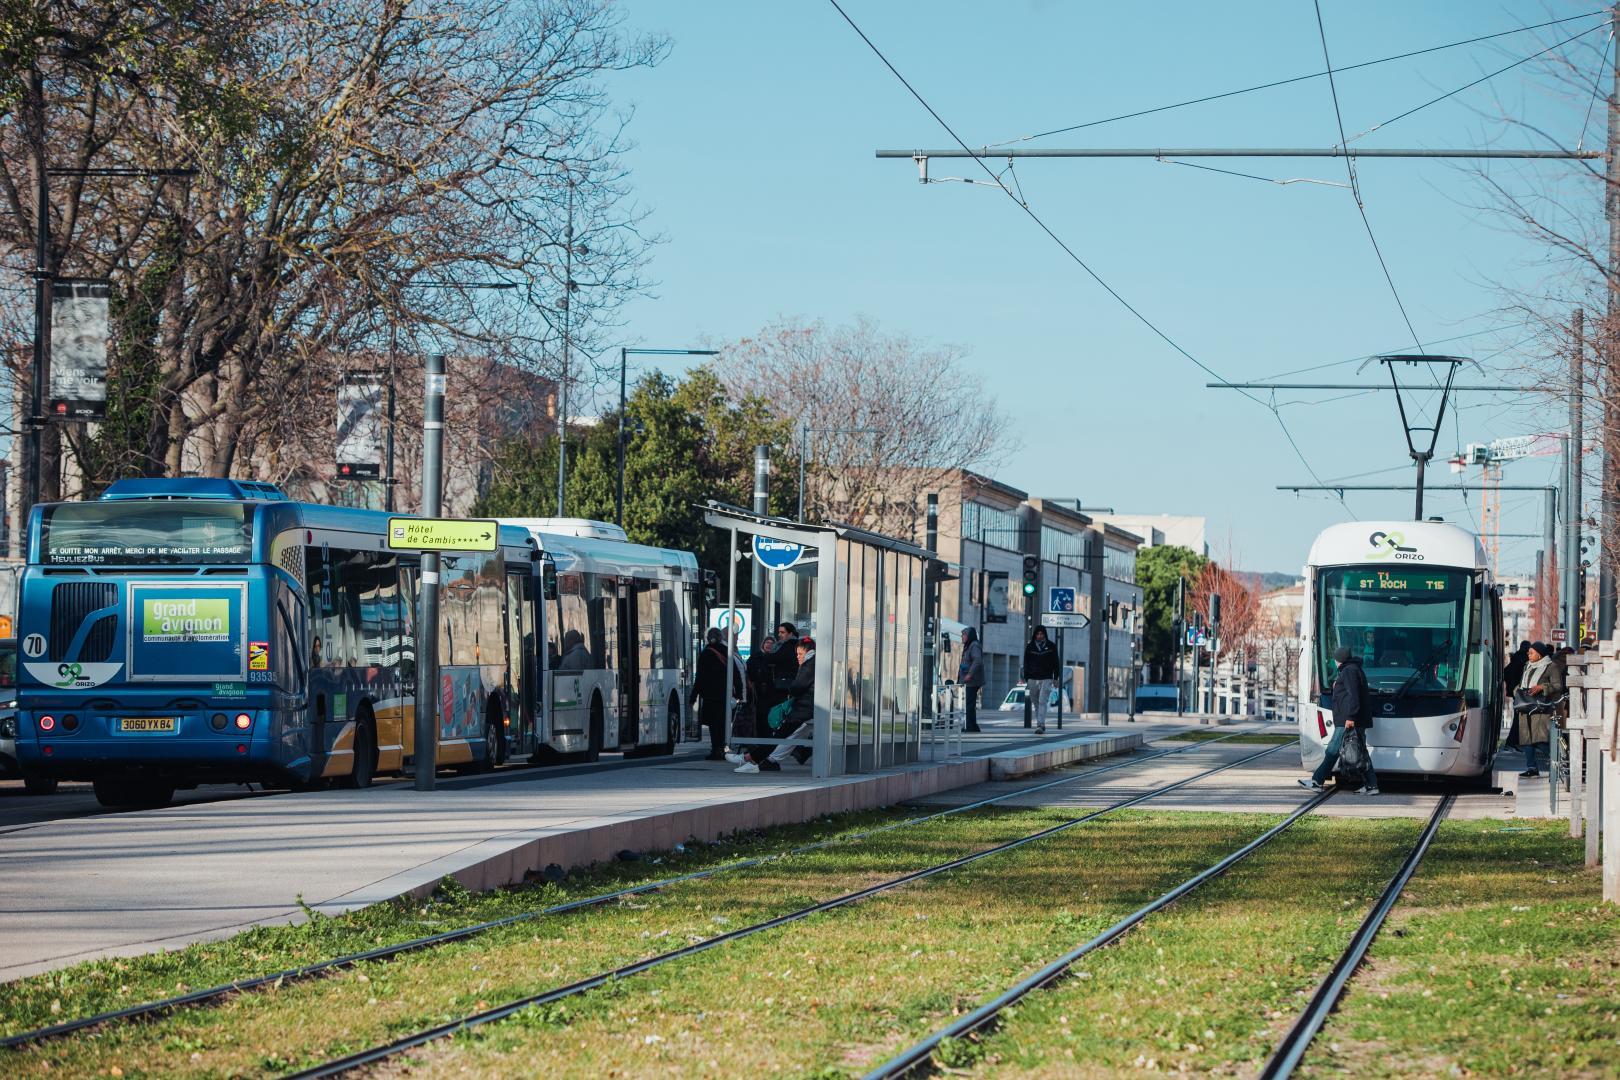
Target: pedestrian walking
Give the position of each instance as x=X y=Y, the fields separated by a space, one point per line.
x=970 y=674
x=1352 y=719
x=709 y=691
x=1541 y=688
x=1040 y=672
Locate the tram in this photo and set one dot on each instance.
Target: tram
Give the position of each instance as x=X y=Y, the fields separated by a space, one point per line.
x=1416 y=601
x=185 y=631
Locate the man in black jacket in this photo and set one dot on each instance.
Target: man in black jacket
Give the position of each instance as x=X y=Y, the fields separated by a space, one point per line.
x=1040 y=671
x=1351 y=717
x=709 y=687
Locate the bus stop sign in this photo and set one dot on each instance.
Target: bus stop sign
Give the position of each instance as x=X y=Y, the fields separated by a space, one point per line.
x=441 y=534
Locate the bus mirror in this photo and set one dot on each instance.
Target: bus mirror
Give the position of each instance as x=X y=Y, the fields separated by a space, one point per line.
x=711 y=588
x=548 y=582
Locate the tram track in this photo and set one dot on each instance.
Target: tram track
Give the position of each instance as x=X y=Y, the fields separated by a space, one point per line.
x=918 y=1057
x=215 y=994
x=385 y=1051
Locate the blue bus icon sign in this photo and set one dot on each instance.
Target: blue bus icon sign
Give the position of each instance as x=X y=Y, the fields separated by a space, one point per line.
x=776 y=554
x=1060 y=598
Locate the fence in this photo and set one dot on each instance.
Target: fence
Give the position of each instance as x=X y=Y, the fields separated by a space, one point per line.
x=1592 y=776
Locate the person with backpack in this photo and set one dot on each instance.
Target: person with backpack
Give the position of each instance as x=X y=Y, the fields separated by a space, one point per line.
x=1351 y=719
x=1040 y=672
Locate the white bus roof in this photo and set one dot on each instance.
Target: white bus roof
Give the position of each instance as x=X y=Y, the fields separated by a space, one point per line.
x=594 y=555
x=1397 y=543
x=566 y=526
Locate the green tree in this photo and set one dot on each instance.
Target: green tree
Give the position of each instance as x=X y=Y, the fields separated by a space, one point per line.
x=1157 y=571
x=687 y=442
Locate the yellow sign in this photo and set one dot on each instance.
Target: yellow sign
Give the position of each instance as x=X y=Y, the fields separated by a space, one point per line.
x=441 y=534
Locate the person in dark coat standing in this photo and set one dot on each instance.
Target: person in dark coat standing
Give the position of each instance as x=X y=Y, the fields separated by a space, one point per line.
x=1351 y=719
x=1040 y=671
x=709 y=689
x=970 y=674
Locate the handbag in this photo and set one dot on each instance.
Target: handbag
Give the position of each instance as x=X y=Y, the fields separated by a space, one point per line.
x=1353 y=760
x=777 y=718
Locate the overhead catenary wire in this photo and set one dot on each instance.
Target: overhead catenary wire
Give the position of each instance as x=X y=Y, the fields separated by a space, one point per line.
x=1067 y=250
x=1297 y=79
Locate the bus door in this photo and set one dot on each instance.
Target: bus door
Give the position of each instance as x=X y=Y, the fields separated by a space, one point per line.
x=629 y=665
x=521 y=643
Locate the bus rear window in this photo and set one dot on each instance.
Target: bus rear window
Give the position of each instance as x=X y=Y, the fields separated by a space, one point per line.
x=165 y=533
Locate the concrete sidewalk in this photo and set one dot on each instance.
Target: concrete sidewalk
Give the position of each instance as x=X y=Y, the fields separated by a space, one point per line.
x=124 y=884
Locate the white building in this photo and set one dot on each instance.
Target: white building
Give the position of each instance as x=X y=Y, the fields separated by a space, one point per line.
x=1158 y=530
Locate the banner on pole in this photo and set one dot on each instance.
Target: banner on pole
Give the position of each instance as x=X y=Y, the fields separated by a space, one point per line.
x=78 y=382
x=360 y=426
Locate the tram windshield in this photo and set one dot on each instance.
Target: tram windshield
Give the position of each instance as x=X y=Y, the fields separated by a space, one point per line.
x=1410 y=627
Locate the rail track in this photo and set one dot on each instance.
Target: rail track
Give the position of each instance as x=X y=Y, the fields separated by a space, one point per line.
x=214 y=994
x=918 y=1057
x=384 y=1051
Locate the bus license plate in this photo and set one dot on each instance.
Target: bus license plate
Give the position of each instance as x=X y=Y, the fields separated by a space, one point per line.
x=147 y=724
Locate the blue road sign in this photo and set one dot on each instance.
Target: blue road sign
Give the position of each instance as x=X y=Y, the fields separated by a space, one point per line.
x=776 y=554
x=1060 y=598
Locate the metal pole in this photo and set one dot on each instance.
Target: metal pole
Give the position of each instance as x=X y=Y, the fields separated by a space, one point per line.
x=42 y=300
x=1549 y=601
x=1179 y=624
x=388 y=476
x=562 y=386
x=427 y=616
x=930 y=607
x=1611 y=361
x=762 y=480
x=1108 y=632
x=618 y=497
x=804 y=442
x=1572 y=490
x=1417 y=514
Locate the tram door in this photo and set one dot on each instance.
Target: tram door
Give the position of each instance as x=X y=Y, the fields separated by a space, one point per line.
x=629 y=664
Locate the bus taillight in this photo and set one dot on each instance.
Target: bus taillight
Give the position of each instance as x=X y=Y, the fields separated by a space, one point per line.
x=1321 y=724
x=243 y=721
x=47 y=723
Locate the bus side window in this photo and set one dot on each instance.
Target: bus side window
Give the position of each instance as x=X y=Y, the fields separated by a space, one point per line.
x=569 y=633
x=406 y=614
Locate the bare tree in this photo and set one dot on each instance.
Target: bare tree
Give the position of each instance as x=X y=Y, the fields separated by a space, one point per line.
x=884 y=417
x=361 y=166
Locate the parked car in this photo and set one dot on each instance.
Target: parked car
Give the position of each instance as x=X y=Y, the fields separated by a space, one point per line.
x=1156 y=697
x=1015 y=700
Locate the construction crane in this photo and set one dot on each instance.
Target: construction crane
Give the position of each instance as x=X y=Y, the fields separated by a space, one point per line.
x=1490 y=457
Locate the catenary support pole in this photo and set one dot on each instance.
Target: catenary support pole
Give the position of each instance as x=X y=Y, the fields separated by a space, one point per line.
x=567 y=344
x=1611 y=361
x=931 y=589
x=42 y=301
x=1572 y=483
x=427 y=615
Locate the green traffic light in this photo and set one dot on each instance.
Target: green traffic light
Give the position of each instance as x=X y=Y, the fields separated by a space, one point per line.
x=1029 y=588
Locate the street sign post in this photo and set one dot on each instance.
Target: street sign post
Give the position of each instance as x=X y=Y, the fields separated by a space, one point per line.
x=1559 y=634
x=1064 y=620
x=441 y=534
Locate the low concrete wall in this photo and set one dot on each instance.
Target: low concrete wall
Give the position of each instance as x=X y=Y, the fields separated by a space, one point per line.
x=1011 y=764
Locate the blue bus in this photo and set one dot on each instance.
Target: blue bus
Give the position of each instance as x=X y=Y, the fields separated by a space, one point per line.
x=177 y=632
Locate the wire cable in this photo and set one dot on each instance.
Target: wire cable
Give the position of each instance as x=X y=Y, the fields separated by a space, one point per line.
x=1070 y=252
x=1355 y=186
x=1468 y=86
x=1296 y=79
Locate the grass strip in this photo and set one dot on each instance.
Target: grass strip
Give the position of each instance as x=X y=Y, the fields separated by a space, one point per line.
x=842 y=993
x=1499 y=961
x=112 y=983
x=1206 y=986
x=271 y=1032
x=1250 y=738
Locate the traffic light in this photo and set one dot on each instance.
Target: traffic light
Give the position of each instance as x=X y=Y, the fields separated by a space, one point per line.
x=1113 y=612
x=1032 y=571
x=1214 y=609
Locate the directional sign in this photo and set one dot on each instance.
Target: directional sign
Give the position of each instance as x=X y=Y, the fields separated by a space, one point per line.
x=1060 y=598
x=1066 y=620
x=441 y=534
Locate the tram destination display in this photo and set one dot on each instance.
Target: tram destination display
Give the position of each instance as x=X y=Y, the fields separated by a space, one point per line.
x=1416 y=582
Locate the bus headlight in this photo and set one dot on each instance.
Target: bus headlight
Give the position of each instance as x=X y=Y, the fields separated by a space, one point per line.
x=8 y=726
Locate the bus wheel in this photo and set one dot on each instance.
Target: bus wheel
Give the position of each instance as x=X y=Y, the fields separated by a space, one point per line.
x=40 y=785
x=598 y=726
x=133 y=794
x=672 y=728
x=365 y=756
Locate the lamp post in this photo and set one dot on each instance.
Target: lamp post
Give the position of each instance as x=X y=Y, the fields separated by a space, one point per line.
x=625 y=353
x=393 y=359
x=804 y=449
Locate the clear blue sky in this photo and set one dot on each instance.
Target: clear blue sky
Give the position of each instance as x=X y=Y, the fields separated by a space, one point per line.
x=754 y=154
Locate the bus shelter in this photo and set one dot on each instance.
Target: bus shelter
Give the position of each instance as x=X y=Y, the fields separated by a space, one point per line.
x=860 y=596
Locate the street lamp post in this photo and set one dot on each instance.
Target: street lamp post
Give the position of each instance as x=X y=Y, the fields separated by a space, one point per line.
x=624 y=354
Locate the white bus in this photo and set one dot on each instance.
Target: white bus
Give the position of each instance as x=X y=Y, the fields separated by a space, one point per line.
x=619 y=626
x=1415 y=600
